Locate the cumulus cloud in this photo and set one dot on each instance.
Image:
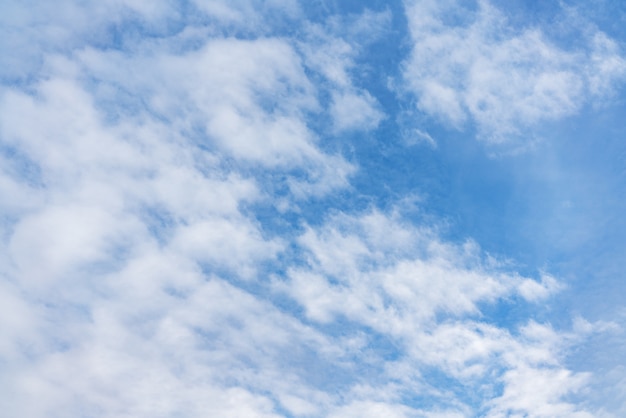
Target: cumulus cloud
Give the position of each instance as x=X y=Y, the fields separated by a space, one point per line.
x=469 y=65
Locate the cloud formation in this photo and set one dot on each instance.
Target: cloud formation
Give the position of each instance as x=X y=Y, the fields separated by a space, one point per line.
x=157 y=163
x=468 y=64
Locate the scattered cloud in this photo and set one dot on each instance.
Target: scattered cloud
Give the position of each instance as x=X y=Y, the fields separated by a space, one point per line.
x=147 y=152
x=401 y=282
x=468 y=65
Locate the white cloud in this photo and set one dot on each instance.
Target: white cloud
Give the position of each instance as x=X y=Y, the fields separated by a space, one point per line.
x=377 y=271
x=332 y=50
x=417 y=136
x=373 y=259
x=250 y=98
x=606 y=65
x=32 y=30
x=131 y=209
x=533 y=392
x=532 y=290
x=352 y=111
x=237 y=245
x=469 y=64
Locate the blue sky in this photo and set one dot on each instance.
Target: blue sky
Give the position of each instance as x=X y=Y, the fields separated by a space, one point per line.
x=312 y=209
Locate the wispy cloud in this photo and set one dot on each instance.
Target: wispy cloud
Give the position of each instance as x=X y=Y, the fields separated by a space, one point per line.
x=420 y=293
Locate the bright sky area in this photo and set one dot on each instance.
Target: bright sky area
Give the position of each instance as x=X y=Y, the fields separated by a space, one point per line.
x=325 y=208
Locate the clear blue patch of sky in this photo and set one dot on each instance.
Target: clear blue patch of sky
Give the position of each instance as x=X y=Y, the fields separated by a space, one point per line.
x=583 y=226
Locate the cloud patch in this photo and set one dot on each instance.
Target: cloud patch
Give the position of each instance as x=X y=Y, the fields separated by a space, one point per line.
x=468 y=65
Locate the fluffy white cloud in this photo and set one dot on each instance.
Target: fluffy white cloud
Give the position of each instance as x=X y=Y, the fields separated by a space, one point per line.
x=374 y=268
x=468 y=64
x=31 y=30
x=125 y=218
x=400 y=281
x=352 y=111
